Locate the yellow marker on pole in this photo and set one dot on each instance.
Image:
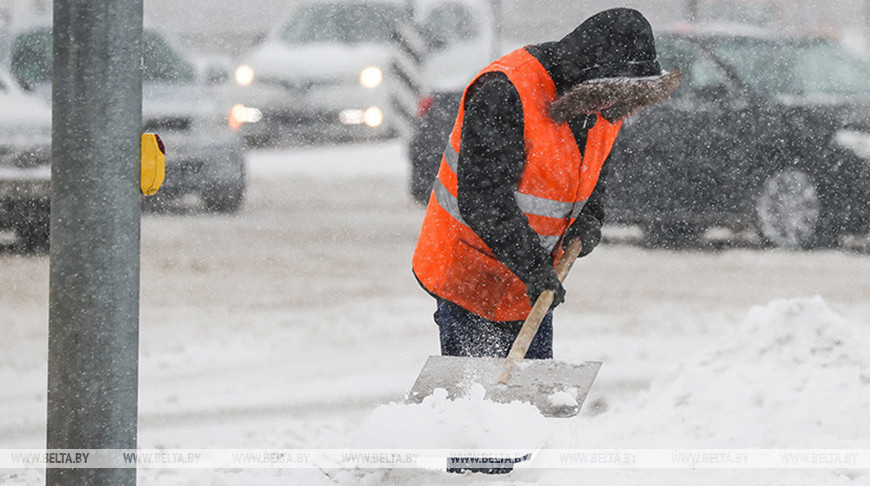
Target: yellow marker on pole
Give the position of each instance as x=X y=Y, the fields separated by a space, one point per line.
x=153 y=164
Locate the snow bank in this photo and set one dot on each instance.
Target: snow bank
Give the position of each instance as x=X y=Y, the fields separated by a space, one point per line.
x=795 y=374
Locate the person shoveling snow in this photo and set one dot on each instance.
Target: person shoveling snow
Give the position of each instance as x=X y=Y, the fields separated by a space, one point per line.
x=517 y=186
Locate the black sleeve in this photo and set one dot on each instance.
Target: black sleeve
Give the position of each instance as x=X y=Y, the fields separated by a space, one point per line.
x=594 y=207
x=490 y=164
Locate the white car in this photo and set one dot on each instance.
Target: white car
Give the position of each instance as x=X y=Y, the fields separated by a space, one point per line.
x=319 y=75
x=25 y=152
x=462 y=39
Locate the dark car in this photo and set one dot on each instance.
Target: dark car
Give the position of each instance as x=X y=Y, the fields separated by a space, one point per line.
x=25 y=176
x=205 y=155
x=765 y=133
x=437 y=113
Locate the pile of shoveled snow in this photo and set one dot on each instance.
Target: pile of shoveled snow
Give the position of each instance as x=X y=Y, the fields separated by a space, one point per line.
x=795 y=374
x=470 y=422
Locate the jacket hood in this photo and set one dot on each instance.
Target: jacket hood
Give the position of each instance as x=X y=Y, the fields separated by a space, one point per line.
x=614 y=43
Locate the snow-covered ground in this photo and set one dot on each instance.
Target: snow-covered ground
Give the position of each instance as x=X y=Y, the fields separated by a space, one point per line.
x=297 y=324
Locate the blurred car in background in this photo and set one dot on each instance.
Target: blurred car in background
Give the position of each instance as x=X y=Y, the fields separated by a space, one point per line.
x=25 y=152
x=461 y=36
x=204 y=154
x=319 y=75
x=765 y=134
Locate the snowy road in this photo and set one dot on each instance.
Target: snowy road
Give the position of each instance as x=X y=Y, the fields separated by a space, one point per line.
x=286 y=325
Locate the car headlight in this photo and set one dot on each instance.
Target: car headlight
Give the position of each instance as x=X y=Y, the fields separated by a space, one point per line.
x=244 y=75
x=373 y=116
x=857 y=142
x=240 y=114
x=371 y=77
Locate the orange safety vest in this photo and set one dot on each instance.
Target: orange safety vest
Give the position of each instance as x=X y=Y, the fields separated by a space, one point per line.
x=450 y=260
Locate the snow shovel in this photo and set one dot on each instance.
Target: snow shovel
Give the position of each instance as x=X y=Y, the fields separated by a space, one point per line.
x=556 y=388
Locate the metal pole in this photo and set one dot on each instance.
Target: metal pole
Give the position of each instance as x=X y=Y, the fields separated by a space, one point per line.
x=94 y=271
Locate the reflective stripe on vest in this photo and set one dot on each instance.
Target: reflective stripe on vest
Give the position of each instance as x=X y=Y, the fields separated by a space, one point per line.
x=526 y=202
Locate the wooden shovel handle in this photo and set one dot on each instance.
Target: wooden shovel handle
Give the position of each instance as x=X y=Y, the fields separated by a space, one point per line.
x=539 y=310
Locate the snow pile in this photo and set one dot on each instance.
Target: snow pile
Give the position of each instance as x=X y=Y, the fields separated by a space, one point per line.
x=795 y=374
x=469 y=422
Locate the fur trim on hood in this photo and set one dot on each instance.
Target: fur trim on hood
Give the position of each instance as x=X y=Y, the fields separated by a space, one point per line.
x=616 y=98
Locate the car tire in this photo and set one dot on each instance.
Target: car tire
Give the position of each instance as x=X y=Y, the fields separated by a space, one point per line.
x=789 y=211
x=33 y=238
x=226 y=200
x=157 y=203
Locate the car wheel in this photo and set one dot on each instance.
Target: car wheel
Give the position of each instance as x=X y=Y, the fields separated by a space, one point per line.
x=157 y=203
x=33 y=238
x=225 y=200
x=788 y=211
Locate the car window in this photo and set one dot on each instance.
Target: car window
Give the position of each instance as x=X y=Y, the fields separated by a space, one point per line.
x=31 y=58
x=450 y=23
x=162 y=63
x=802 y=68
x=346 y=23
x=702 y=76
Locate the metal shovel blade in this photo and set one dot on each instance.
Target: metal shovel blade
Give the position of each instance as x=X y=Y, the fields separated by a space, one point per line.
x=556 y=388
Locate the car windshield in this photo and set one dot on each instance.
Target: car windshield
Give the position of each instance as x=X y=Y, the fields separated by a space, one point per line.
x=808 y=69
x=450 y=23
x=162 y=63
x=347 y=23
x=31 y=59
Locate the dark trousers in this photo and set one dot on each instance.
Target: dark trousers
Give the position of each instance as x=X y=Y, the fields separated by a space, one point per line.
x=466 y=334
